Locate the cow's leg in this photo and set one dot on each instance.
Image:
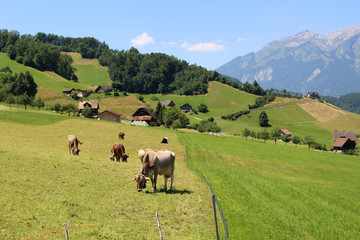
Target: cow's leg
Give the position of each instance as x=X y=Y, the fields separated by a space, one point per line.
x=172 y=180
x=154 y=182
x=69 y=149
x=165 y=180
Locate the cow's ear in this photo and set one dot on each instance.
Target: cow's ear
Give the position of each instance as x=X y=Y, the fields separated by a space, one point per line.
x=133 y=179
x=147 y=179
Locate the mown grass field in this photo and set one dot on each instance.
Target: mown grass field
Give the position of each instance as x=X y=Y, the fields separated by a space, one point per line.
x=270 y=191
x=44 y=187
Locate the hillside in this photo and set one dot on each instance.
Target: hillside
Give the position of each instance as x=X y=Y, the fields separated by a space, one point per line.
x=328 y=64
x=349 y=102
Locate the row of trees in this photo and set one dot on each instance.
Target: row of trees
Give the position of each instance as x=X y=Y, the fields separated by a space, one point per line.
x=25 y=49
x=276 y=135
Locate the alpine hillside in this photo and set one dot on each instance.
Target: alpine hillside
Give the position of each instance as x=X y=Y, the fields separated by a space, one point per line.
x=328 y=64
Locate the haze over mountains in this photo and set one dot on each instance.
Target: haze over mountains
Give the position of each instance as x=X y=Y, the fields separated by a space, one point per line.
x=328 y=64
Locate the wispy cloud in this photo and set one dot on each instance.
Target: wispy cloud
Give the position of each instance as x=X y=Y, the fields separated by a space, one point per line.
x=168 y=43
x=142 y=40
x=241 y=39
x=204 y=47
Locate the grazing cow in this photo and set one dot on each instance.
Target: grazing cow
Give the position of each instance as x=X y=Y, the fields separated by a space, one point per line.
x=121 y=135
x=142 y=153
x=156 y=163
x=118 y=151
x=165 y=140
x=73 y=143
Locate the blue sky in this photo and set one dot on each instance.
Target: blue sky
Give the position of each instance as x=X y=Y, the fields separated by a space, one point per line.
x=206 y=33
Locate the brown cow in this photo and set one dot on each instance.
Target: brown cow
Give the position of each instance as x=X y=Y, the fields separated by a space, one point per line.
x=156 y=163
x=121 y=135
x=118 y=151
x=73 y=143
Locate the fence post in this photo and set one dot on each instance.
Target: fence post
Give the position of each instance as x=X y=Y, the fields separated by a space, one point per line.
x=66 y=231
x=216 y=225
x=157 y=217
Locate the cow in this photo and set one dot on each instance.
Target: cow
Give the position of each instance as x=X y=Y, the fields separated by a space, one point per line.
x=165 y=140
x=142 y=153
x=73 y=143
x=156 y=163
x=121 y=135
x=118 y=151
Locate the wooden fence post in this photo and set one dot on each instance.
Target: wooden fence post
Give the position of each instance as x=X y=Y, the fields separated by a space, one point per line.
x=66 y=231
x=216 y=225
x=157 y=217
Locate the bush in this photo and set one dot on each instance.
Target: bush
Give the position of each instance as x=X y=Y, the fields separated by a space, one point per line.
x=116 y=94
x=154 y=98
x=141 y=98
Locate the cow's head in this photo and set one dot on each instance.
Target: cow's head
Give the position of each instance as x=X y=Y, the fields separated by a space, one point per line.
x=141 y=181
x=75 y=151
x=112 y=158
x=124 y=158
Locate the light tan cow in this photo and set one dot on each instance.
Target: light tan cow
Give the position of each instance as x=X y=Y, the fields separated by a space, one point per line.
x=156 y=163
x=73 y=144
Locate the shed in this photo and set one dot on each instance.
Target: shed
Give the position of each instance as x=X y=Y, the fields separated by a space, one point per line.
x=187 y=108
x=285 y=132
x=68 y=91
x=82 y=92
x=168 y=103
x=144 y=115
x=93 y=105
x=110 y=116
x=342 y=145
x=103 y=88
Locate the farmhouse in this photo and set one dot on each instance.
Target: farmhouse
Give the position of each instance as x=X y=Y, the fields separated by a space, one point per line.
x=168 y=103
x=285 y=132
x=110 y=116
x=344 y=141
x=102 y=89
x=82 y=93
x=312 y=95
x=92 y=105
x=186 y=108
x=143 y=115
x=68 y=91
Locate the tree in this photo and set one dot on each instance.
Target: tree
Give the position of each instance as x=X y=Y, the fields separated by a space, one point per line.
x=38 y=103
x=173 y=114
x=86 y=112
x=246 y=132
x=24 y=100
x=203 y=108
x=286 y=139
x=265 y=135
x=295 y=140
x=275 y=134
x=263 y=119
x=211 y=119
x=176 y=124
x=57 y=107
x=253 y=134
x=308 y=140
x=10 y=99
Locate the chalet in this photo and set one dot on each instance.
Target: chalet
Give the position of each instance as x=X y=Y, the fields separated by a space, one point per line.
x=285 y=132
x=312 y=95
x=168 y=103
x=82 y=92
x=68 y=91
x=102 y=89
x=186 y=108
x=344 y=141
x=144 y=115
x=92 y=105
x=112 y=116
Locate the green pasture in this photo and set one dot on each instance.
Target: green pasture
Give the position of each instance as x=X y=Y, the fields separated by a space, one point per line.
x=269 y=191
x=92 y=75
x=43 y=187
x=47 y=79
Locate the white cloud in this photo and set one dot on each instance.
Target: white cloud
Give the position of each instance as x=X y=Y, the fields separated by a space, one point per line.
x=168 y=43
x=240 y=39
x=142 y=40
x=204 y=47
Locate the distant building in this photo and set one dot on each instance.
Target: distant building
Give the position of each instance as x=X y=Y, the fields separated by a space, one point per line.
x=112 y=116
x=187 y=108
x=344 y=141
x=313 y=95
x=144 y=115
x=285 y=132
x=168 y=103
x=68 y=91
x=82 y=93
x=92 y=105
x=102 y=89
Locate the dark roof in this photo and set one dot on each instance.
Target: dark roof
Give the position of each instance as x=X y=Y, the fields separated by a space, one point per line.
x=186 y=105
x=143 y=111
x=345 y=134
x=340 y=142
x=103 y=87
x=166 y=102
x=68 y=90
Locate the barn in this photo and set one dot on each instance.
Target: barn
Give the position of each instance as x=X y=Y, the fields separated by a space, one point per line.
x=112 y=116
x=143 y=115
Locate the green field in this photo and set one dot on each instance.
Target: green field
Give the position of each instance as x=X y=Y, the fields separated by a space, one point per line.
x=43 y=186
x=270 y=191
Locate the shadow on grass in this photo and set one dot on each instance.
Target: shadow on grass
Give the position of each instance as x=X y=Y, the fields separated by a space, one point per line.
x=174 y=191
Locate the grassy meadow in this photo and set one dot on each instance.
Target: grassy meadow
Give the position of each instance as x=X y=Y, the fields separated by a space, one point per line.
x=270 y=191
x=43 y=186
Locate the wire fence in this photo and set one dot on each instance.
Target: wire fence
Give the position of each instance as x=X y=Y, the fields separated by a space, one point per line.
x=187 y=157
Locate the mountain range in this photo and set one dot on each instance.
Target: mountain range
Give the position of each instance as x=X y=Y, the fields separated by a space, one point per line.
x=305 y=62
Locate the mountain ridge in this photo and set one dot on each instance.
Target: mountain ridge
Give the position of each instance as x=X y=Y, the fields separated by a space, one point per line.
x=327 y=63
